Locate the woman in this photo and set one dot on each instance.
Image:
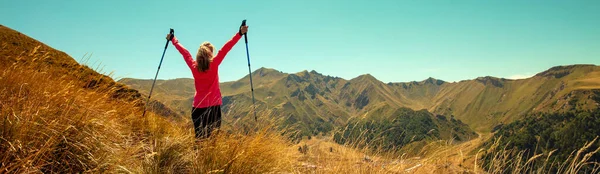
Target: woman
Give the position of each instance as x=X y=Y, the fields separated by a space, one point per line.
x=206 y=108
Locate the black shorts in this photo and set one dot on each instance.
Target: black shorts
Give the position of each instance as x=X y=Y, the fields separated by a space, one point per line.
x=205 y=120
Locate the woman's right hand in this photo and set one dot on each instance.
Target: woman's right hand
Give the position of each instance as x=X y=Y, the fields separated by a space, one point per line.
x=169 y=37
x=243 y=29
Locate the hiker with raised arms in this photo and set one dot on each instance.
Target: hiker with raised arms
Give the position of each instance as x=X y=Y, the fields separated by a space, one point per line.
x=206 y=108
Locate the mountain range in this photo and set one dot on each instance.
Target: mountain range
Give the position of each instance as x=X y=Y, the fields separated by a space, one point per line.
x=320 y=102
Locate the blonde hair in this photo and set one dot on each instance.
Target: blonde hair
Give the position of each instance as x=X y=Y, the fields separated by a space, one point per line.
x=204 y=56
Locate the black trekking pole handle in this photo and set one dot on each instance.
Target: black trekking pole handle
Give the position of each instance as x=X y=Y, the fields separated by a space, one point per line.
x=172 y=32
x=245 y=34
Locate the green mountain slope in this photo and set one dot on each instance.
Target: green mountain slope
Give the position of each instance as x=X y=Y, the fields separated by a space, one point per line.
x=401 y=127
x=556 y=137
x=488 y=101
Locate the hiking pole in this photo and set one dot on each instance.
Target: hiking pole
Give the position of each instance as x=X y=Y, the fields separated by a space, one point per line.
x=161 y=60
x=249 y=71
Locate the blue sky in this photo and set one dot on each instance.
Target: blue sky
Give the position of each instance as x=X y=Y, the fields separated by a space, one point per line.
x=395 y=41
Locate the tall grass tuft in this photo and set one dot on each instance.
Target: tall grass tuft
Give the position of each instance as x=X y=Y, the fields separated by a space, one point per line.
x=499 y=159
x=50 y=124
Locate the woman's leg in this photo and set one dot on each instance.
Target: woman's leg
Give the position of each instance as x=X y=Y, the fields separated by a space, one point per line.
x=214 y=119
x=206 y=120
x=217 y=117
x=197 y=119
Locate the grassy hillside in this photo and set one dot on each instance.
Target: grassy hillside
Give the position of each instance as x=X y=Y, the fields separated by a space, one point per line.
x=20 y=51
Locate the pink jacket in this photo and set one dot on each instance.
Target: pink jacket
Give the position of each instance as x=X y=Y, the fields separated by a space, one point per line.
x=208 y=92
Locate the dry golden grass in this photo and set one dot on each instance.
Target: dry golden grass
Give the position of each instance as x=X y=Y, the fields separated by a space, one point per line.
x=51 y=123
x=323 y=156
x=510 y=161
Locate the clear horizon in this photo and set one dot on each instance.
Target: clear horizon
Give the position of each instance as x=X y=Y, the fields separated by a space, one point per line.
x=394 y=41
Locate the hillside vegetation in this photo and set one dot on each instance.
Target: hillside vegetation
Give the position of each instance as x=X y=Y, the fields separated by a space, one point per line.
x=552 y=138
x=402 y=127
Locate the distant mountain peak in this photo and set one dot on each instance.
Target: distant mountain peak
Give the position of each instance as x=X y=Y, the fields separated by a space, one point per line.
x=264 y=69
x=267 y=71
x=303 y=74
x=434 y=81
x=561 y=71
x=489 y=80
x=315 y=72
x=365 y=77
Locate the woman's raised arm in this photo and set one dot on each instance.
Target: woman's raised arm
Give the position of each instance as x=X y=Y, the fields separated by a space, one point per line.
x=227 y=47
x=184 y=52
